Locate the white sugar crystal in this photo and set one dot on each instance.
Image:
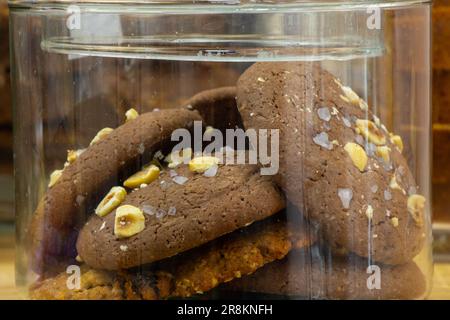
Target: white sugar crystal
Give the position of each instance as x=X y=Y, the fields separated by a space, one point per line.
x=376 y=120
x=346 y=195
x=412 y=190
x=158 y=155
x=172 y=173
x=211 y=172
x=172 y=211
x=374 y=188
x=322 y=140
x=180 y=180
x=102 y=226
x=324 y=114
x=160 y=213
x=164 y=185
x=141 y=148
x=347 y=122
x=123 y=247
x=387 y=195
x=370 y=149
x=80 y=200
x=147 y=209
x=359 y=139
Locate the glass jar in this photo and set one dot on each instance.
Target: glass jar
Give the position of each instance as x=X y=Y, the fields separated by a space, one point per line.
x=222 y=148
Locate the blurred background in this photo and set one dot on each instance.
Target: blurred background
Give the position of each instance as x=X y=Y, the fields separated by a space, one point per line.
x=6 y=167
x=441 y=137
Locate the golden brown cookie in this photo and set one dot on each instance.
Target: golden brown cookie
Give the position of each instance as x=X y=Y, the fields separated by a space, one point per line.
x=190 y=273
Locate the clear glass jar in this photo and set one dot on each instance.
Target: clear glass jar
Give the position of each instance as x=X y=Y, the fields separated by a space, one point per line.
x=172 y=149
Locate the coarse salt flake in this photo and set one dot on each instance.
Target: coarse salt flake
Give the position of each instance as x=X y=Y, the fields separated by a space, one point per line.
x=324 y=114
x=346 y=195
x=322 y=140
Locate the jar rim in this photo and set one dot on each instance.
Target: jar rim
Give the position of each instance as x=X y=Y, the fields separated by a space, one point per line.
x=229 y=5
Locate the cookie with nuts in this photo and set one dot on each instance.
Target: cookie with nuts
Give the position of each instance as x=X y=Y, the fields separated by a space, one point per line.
x=75 y=191
x=183 y=208
x=194 y=272
x=338 y=163
x=312 y=274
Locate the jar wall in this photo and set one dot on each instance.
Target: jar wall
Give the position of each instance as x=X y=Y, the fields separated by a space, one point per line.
x=333 y=188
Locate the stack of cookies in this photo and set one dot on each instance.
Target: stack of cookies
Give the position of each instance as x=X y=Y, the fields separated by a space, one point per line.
x=132 y=217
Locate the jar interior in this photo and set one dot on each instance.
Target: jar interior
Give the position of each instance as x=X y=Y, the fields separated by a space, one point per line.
x=350 y=186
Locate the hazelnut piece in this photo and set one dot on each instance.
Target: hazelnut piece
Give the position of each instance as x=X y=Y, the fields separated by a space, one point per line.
x=370 y=131
x=111 y=201
x=357 y=154
x=145 y=176
x=129 y=221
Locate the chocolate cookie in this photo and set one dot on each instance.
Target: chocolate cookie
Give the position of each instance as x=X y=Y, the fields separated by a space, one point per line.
x=193 y=272
x=183 y=209
x=217 y=107
x=74 y=193
x=338 y=163
x=309 y=274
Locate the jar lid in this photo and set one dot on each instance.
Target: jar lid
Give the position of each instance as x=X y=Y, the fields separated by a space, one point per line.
x=233 y=4
x=214 y=30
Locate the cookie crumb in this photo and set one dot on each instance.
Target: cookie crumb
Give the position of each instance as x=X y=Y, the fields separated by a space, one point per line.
x=123 y=248
x=369 y=212
x=394 y=221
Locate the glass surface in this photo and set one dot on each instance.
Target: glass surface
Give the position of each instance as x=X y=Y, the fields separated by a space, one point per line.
x=325 y=195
